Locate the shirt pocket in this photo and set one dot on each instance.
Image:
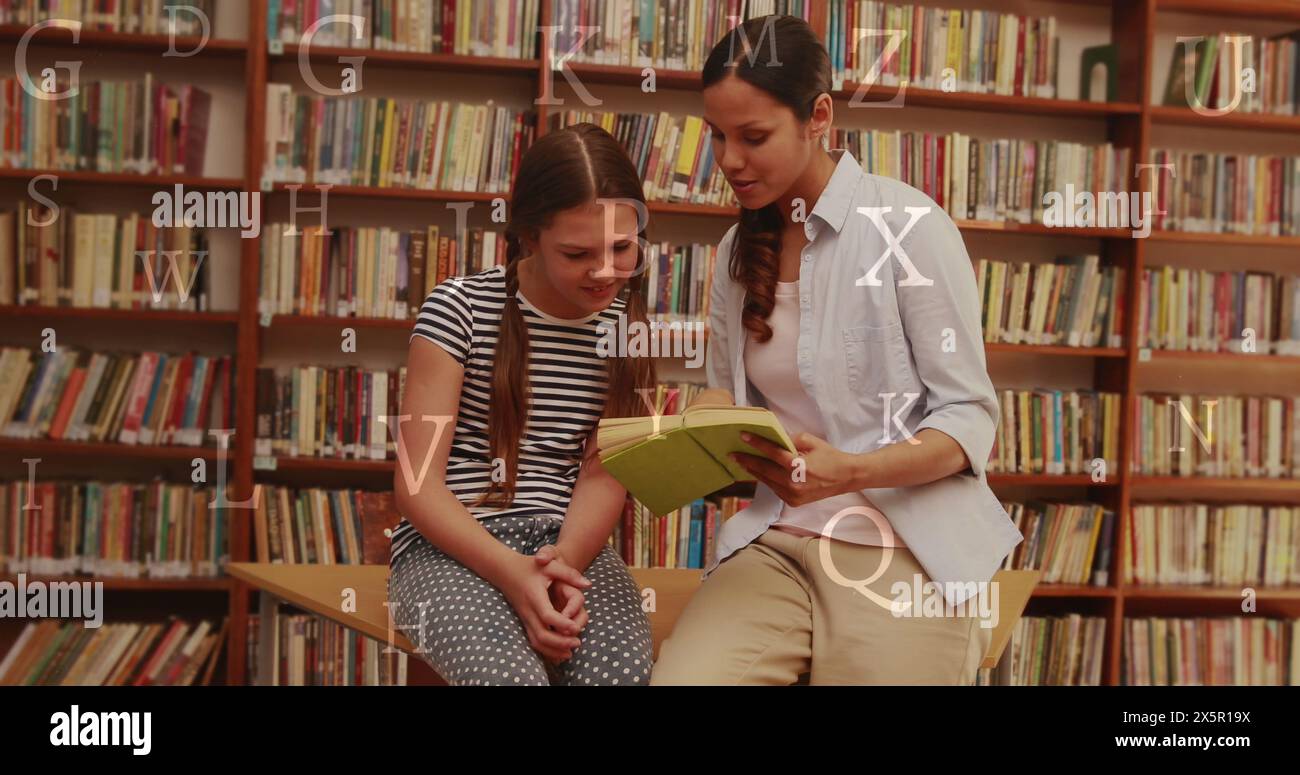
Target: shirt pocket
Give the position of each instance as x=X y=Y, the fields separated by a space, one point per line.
x=875 y=359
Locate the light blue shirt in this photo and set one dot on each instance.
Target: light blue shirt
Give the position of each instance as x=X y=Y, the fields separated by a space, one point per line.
x=908 y=346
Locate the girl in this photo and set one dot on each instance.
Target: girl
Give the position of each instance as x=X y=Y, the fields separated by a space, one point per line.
x=504 y=390
x=846 y=304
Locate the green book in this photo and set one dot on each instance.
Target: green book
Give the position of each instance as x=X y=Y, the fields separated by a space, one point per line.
x=668 y=461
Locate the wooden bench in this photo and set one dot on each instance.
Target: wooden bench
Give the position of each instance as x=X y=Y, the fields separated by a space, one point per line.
x=324 y=590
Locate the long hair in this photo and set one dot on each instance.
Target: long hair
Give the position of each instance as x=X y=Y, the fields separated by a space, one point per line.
x=563 y=169
x=795 y=70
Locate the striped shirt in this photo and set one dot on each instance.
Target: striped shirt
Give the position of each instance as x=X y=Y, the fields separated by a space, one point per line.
x=567 y=383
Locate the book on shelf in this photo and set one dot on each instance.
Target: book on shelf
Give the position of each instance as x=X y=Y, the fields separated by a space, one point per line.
x=366 y=272
x=677 y=281
x=144 y=17
x=967 y=50
x=1216 y=435
x=112 y=529
x=174 y=652
x=988 y=179
x=308 y=650
x=1206 y=311
x=673 y=154
x=1066 y=650
x=1069 y=542
x=1056 y=432
x=1226 y=193
x=1219 y=544
x=1211 y=71
x=381 y=142
x=151 y=398
x=136 y=126
x=1073 y=302
x=311 y=525
x=682 y=538
x=667 y=461
x=675 y=35
x=327 y=411
x=103 y=261
x=496 y=29
x=1204 y=651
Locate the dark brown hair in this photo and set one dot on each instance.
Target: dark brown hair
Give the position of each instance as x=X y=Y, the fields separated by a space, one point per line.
x=795 y=70
x=565 y=168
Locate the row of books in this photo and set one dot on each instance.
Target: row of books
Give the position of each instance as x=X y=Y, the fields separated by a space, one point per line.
x=313 y=525
x=1227 y=193
x=112 y=529
x=683 y=538
x=981 y=179
x=366 y=271
x=1069 y=542
x=139 y=126
x=1217 y=435
x=498 y=29
x=100 y=260
x=983 y=51
x=324 y=411
x=1056 y=432
x=1193 y=309
x=669 y=34
x=309 y=650
x=673 y=154
x=148 y=17
x=678 y=278
x=1217 y=65
x=1063 y=650
x=1226 y=651
x=391 y=143
x=66 y=653
x=1236 y=544
x=1072 y=301
x=129 y=398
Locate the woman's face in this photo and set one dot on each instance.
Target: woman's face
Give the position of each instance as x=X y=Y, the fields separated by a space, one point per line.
x=759 y=144
x=584 y=262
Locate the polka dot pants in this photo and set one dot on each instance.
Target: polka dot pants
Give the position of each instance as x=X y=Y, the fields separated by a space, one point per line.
x=470 y=634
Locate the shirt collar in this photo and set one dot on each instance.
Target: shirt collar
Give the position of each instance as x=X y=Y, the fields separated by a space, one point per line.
x=833 y=204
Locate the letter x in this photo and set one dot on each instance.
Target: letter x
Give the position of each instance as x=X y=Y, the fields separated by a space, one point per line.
x=914 y=276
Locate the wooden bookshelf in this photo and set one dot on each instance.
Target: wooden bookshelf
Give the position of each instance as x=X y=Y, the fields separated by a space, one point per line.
x=1127 y=122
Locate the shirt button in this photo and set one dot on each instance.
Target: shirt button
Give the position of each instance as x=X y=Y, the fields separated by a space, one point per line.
x=804 y=299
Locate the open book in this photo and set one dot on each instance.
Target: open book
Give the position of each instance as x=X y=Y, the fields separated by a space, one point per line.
x=688 y=456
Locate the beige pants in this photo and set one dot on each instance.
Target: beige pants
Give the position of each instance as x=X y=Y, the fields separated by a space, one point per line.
x=771 y=613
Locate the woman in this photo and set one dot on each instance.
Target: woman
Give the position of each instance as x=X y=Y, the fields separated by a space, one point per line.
x=846 y=304
x=505 y=384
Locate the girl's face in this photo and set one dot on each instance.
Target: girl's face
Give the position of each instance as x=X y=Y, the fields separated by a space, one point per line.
x=758 y=143
x=581 y=264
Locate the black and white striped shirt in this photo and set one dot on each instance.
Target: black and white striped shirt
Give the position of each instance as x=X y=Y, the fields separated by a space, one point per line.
x=567 y=384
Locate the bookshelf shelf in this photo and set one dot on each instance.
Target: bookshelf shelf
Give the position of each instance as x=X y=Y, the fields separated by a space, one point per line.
x=95 y=313
x=105 y=449
x=1052 y=349
x=1073 y=590
x=376 y=192
x=124 y=178
x=1208 y=593
x=1275 y=10
x=1247 y=489
x=103 y=40
x=1256 y=122
x=219 y=584
x=1223 y=358
x=335 y=464
x=1049 y=480
x=332 y=321
x=1241 y=240
x=417 y=60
